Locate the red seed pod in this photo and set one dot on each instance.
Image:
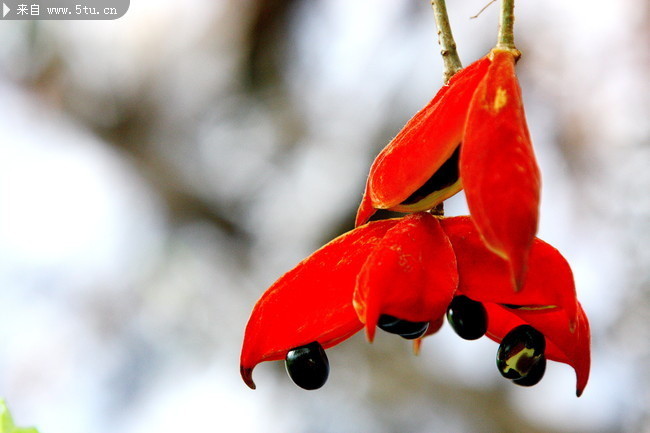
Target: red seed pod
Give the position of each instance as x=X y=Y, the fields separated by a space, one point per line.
x=547 y=300
x=410 y=274
x=312 y=302
x=420 y=149
x=498 y=168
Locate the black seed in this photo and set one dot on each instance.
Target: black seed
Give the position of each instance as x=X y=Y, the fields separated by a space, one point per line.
x=308 y=366
x=403 y=328
x=467 y=317
x=519 y=351
x=534 y=375
x=444 y=177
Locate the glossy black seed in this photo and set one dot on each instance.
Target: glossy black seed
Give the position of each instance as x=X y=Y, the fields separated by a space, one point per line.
x=534 y=375
x=519 y=351
x=444 y=177
x=308 y=366
x=403 y=328
x=467 y=317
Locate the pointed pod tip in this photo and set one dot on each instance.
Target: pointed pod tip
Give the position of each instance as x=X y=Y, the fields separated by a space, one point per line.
x=370 y=333
x=365 y=211
x=518 y=271
x=579 y=392
x=369 y=321
x=417 y=345
x=247 y=375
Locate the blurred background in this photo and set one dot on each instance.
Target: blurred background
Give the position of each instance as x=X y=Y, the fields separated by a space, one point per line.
x=159 y=172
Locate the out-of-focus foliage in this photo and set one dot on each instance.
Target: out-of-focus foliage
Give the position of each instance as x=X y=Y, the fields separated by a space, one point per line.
x=158 y=172
x=7 y=423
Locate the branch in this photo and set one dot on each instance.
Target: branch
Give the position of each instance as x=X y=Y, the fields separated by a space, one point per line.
x=446 y=41
x=506 y=37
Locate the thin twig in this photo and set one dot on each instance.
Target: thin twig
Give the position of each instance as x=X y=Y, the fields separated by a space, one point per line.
x=481 y=11
x=506 y=37
x=446 y=41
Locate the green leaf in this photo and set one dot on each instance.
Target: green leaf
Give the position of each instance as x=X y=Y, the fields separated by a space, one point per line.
x=7 y=422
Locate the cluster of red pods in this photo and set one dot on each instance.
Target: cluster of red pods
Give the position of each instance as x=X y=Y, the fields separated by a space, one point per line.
x=486 y=273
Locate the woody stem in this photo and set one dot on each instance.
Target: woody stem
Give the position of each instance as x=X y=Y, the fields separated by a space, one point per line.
x=450 y=58
x=506 y=37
